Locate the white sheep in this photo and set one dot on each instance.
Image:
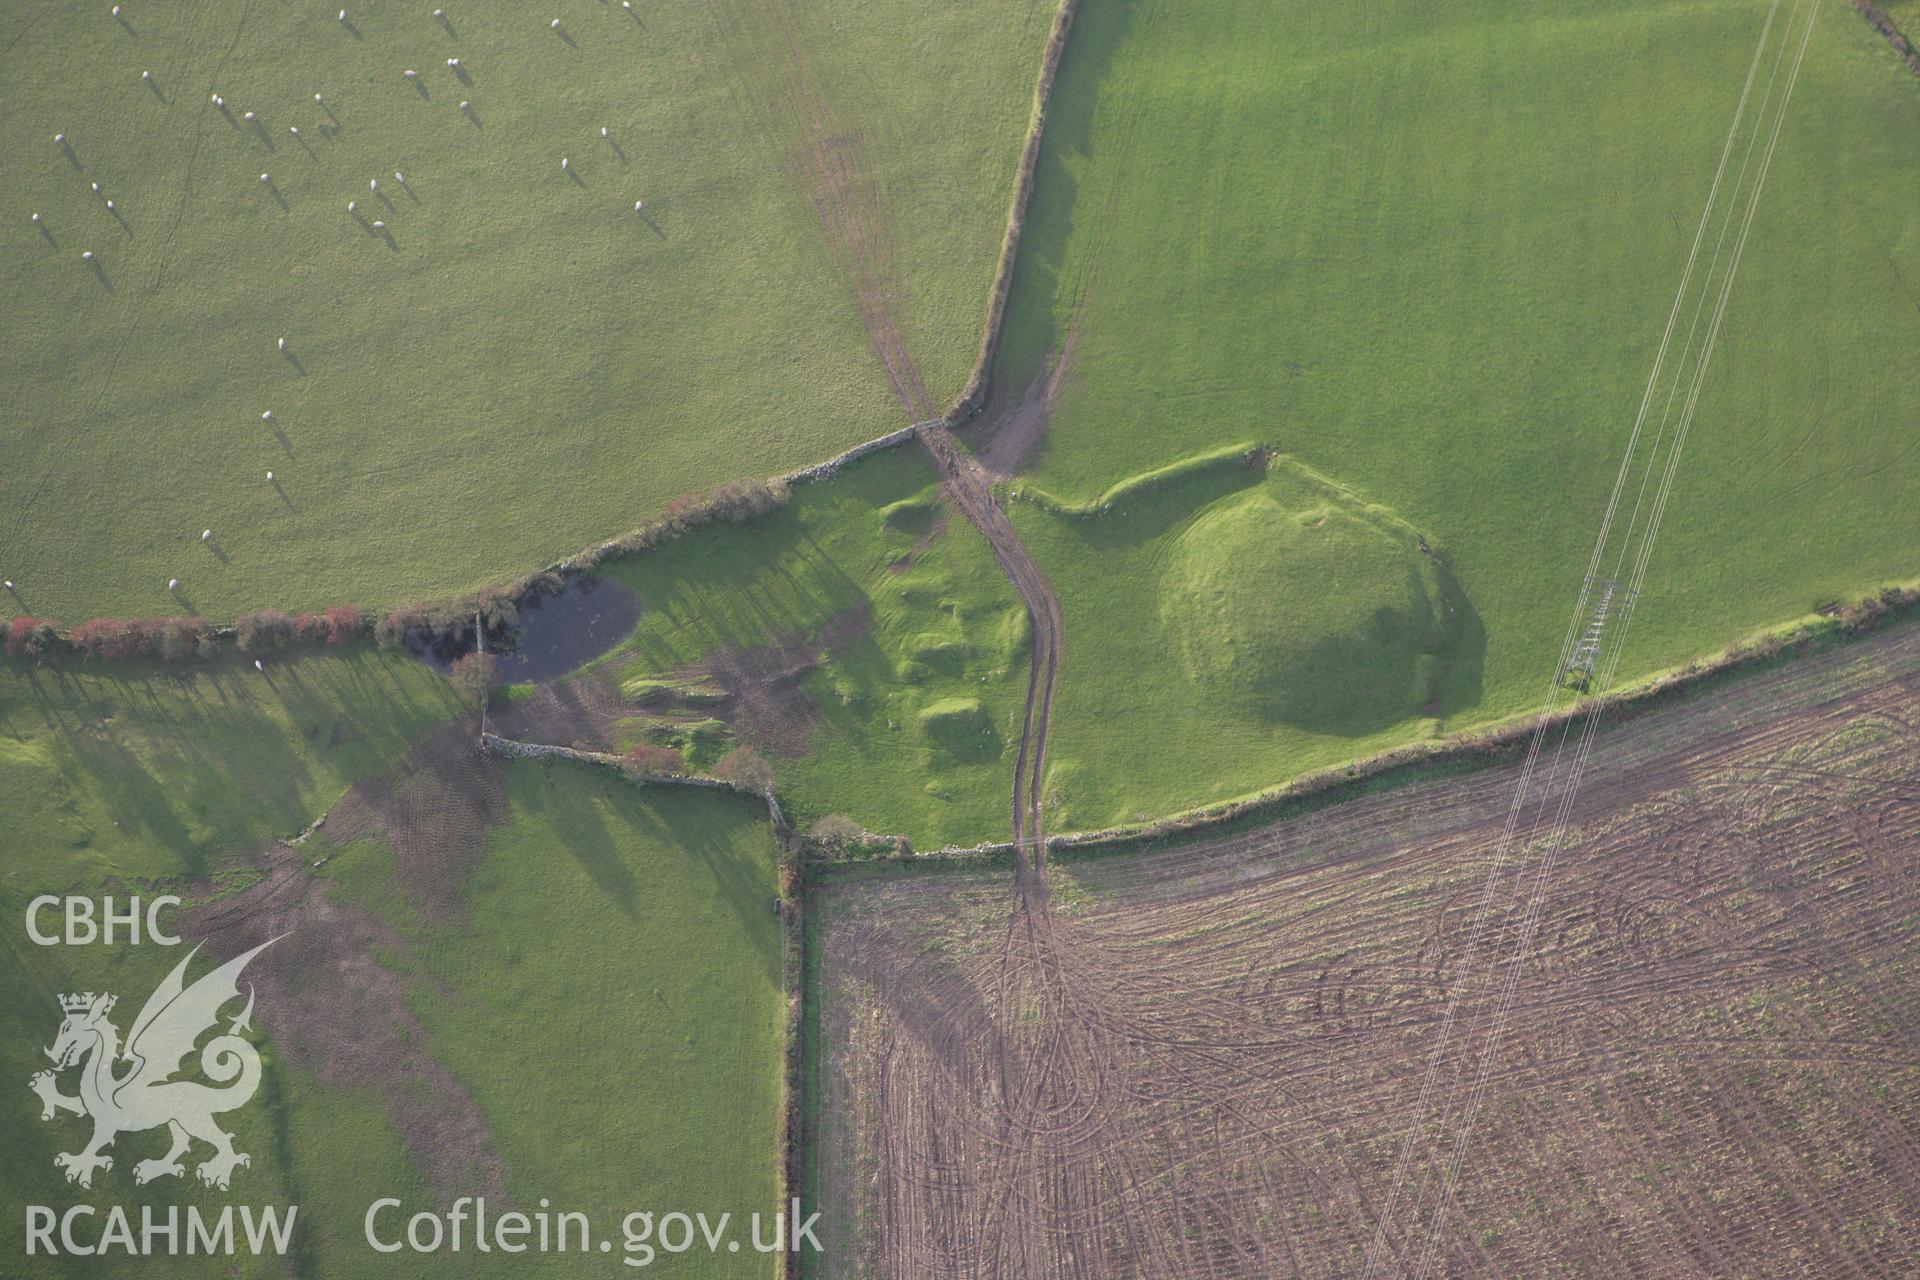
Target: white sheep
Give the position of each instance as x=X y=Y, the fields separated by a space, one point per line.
x=86 y=255
x=247 y=116
x=353 y=206
x=400 y=177
x=555 y=24
x=259 y=665
x=566 y=163
x=638 y=205
x=282 y=342
x=373 y=184
x=109 y=206
x=319 y=100
x=294 y=129
x=603 y=131
x=454 y=63
x=465 y=105
x=411 y=74
x=269 y=477
x=267 y=416
x=60 y=139
x=266 y=177
x=147 y=76
x=379 y=225
x=206 y=535
x=173 y=584
x=219 y=101
x=36 y=217
x=343 y=15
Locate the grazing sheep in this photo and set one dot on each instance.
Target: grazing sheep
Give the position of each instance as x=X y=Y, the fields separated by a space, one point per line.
x=379 y=225
x=603 y=131
x=116 y=11
x=638 y=205
x=95 y=186
x=60 y=139
x=373 y=184
x=317 y=98
x=411 y=74
x=282 y=342
x=353 y=206
x=86 y=255
x=566 y=163
x=267 y=416
x=9 y=584
x=294 y=129
x=555 y=24
x=259 y=665
x=400 y=177
x=454 y=63
x=439 y=13
x=248 y=117
x=343 y=15
x=147 y=76
x=269 y=477
x=219 y=101
x=173 y=584
x=109 y=206
x=265 y=177
x=206 y=535
x=465 y=105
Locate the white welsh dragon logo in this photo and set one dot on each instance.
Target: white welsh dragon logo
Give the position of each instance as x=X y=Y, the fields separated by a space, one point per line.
x=147 y=1096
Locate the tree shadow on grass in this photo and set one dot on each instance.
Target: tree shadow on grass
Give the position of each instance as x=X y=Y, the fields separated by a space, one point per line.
x=1031 y=328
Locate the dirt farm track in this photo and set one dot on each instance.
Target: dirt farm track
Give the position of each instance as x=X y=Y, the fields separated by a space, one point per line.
x=1207 y=1062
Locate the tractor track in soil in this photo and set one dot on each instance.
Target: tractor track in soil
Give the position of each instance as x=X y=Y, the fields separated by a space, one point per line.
x=1197 y=1062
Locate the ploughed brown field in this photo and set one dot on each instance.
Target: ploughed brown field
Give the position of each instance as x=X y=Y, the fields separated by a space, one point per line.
x=1220 y=1060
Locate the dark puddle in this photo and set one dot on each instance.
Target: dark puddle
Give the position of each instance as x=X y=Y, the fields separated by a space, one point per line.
x=556 y=632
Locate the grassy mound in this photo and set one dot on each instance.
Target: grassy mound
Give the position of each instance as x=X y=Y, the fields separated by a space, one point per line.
x=956 y=725
x=1440 y=245
x=1320 y=617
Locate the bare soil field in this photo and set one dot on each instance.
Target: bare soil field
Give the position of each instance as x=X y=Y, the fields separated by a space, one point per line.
x=1209 y=1061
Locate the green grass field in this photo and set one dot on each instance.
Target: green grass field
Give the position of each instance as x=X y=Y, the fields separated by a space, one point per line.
x=527 y=366
x=909 y=722
x=602 y=935
x=1427 y=250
